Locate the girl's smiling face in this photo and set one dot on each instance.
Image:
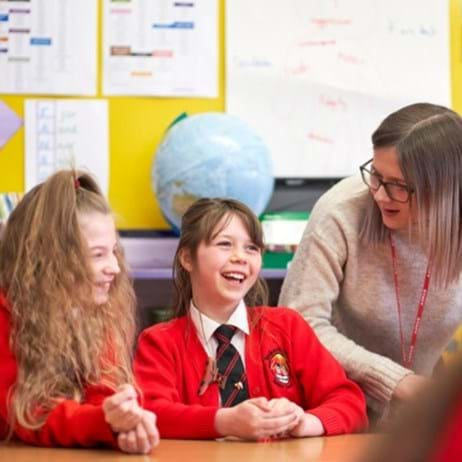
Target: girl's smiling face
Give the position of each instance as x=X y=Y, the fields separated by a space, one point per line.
x=223 y=270
x=99 y=232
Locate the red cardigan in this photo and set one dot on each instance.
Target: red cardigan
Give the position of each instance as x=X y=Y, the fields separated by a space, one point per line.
x=449 y=444
x=70 y=423
x=170 y=363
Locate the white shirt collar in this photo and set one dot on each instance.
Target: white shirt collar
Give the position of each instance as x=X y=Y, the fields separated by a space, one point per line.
x=206 y=326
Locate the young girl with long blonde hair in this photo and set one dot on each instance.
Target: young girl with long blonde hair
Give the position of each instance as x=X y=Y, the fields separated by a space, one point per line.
x=67 y=323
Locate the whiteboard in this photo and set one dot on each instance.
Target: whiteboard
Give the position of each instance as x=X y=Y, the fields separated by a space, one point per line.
x=315 y=77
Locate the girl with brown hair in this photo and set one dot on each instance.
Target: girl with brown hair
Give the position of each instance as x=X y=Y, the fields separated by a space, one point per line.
x=222 y=368
x=377 y=273
x=67 y=323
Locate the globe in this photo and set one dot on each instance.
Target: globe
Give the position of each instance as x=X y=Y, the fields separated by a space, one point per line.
x=211 y=155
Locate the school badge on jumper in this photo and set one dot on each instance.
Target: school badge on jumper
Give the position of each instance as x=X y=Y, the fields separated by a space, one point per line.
x=279 y=366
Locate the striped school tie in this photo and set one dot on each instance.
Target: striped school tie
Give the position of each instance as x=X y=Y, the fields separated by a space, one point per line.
x=232 y=379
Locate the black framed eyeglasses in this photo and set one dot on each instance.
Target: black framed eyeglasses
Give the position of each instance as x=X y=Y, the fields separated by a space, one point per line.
x=398 y=192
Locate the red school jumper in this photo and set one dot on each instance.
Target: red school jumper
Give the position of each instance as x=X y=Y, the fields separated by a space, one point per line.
x=283 y=358
x=70 y=423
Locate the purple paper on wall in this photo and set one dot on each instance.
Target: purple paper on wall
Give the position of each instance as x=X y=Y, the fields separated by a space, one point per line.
x=10 y=122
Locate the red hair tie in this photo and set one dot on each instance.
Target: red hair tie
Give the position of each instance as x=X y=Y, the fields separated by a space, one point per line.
x=76 y=183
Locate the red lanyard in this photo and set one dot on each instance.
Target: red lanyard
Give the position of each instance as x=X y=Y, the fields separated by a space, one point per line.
x=409 y=357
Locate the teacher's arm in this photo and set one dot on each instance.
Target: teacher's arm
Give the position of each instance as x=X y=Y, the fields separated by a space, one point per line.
x=312 y=287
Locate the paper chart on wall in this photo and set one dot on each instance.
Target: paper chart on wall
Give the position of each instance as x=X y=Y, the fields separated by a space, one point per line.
x=65 y=134
x=160 y=48
x=48 y=47
x=315 y=78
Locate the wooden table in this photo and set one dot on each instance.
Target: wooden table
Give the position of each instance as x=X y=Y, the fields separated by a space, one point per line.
x=345 y=448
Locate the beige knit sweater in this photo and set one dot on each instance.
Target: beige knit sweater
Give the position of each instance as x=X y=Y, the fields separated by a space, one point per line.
x=345 y=290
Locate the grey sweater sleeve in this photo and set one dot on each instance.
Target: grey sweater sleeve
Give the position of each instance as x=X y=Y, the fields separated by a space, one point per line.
x=313 y=287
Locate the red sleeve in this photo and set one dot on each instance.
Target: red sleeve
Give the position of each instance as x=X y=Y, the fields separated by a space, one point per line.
x=449 y=444
x=69 y=423
x=336 y=400
x=156 y=373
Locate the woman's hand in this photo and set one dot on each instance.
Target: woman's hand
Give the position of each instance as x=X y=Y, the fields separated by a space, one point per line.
x=409 y=386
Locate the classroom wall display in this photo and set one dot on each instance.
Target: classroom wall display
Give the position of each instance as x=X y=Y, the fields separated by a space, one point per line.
x=160 y=48
x=65 y=133
x=137 y=126
x=316 y=78
x=48 y=47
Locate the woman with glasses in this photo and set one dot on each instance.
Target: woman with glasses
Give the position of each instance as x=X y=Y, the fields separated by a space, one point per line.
x=377 y=274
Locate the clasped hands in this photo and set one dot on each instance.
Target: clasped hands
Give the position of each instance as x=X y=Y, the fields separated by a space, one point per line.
x=136 y=427
x=260 y=418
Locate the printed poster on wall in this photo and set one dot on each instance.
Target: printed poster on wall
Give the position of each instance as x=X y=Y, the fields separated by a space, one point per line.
x=160 y=48
x=66 y=133
x=48 y=47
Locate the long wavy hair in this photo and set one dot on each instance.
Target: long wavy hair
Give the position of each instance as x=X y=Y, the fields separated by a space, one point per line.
x=61 y=339
x=428 y=141
x=199 y=224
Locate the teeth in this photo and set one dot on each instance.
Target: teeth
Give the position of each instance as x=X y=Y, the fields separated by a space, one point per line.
x=238 y=276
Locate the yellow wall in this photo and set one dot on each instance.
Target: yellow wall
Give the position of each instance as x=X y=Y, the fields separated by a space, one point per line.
x=137 y=125
x=456 y=53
